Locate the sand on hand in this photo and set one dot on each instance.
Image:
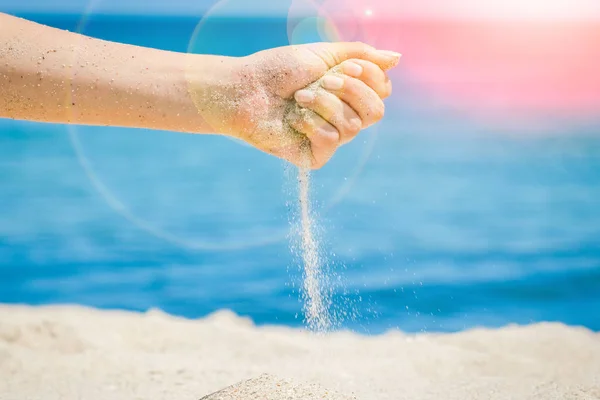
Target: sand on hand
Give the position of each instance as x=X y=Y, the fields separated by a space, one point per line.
x=268 y=387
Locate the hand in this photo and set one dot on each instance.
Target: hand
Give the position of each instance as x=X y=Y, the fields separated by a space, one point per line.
x=299 y=103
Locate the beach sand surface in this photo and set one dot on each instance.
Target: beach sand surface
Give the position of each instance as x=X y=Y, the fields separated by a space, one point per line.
x=72 y=352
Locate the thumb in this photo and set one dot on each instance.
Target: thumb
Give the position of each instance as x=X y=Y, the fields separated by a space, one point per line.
x=335 y=53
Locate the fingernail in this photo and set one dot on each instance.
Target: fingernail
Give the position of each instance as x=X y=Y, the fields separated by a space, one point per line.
x=304 y=96
x=353 y=69
x=332 y=82
x=390 y=54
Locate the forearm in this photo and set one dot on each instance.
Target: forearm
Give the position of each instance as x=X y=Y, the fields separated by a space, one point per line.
x=50 y=75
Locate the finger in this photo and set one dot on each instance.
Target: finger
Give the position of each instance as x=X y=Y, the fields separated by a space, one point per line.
x=324 y=137
x=336 y=53
x=360 y=97
x=369 y=73
x=333 y=110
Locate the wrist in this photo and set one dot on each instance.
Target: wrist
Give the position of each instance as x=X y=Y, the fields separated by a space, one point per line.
x=212 y=85
x=180 y=90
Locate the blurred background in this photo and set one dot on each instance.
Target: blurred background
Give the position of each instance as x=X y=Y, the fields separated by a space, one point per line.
x=476 y=202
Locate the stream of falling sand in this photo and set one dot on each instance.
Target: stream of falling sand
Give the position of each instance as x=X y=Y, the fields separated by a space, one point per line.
x=316 y=300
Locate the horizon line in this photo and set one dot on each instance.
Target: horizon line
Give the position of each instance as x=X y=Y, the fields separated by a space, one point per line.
x=275 y=15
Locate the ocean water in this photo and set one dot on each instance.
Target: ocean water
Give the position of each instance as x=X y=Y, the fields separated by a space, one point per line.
x=429 y=222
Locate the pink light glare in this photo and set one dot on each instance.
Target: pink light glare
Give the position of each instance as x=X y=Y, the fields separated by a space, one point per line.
x=472 y=9
x=507 y=58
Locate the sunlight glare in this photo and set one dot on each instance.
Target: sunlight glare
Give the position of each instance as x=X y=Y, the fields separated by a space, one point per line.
x=531 y=9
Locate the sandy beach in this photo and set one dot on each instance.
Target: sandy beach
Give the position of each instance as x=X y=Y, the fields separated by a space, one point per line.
x=69 y=352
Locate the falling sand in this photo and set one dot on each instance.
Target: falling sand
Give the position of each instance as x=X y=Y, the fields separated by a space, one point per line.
x=316 y=298
x=316 y=293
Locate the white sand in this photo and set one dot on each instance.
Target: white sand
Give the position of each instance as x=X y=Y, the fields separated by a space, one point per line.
x=79 y=353
x=271 y=387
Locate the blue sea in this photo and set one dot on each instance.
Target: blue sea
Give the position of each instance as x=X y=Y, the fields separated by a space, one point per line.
x=428 y=221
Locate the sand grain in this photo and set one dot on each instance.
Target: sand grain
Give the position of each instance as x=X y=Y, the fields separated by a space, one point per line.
x=270 y=387
x=74 y=352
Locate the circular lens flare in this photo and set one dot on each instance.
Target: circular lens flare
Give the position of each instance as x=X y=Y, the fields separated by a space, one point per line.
x=307 y=24
x=210 y=36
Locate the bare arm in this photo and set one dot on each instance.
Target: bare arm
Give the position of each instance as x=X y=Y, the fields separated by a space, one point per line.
x=51 y=75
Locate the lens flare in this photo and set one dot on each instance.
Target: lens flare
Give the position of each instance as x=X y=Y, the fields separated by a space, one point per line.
x=307 y=24
x=496 y=60
x=216 y=33
x=133 y=216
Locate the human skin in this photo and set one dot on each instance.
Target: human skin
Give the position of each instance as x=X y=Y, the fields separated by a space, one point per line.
x=51 y=75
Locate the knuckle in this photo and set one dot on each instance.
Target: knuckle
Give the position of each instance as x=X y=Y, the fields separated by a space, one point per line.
x=378 y=110
x=297 y=122
x=352 y=87
x=325 y=53
x=323 y=100
x=353 y=126
x=369 y=67
x=330 y=141
x=363 y=49
x=330 y=110
x=361 y=62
